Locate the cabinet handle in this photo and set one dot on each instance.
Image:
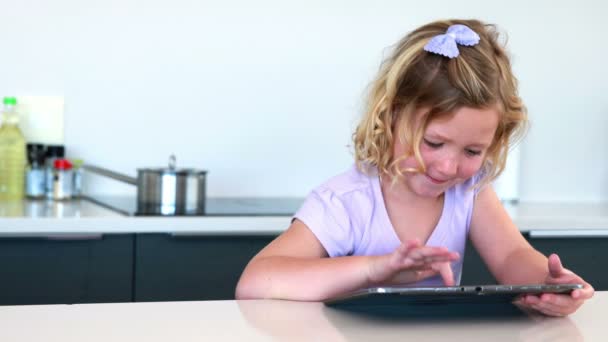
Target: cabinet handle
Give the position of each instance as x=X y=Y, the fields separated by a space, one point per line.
x=74 y=237
x=58 y=236
x=568 y=233
x=193 y=235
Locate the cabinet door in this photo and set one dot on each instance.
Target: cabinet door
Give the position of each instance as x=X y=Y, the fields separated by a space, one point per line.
x=474 y=270
x=66 y=269
x=203 y=267
x=587 y=257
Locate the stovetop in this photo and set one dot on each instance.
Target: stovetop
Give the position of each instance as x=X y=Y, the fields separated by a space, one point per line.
x=214 y=206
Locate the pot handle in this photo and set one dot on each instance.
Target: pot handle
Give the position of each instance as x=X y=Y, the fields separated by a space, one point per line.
x=111 y=174
x=172 y=162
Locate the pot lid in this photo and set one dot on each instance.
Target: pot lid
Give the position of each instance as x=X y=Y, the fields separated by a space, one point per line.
x=171 y=169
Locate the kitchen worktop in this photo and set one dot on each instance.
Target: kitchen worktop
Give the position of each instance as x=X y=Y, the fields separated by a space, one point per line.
x=85 y=216
x=258 y=216
x=280 y=320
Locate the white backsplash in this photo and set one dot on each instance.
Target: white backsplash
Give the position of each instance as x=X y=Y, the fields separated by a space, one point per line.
x=41 y=119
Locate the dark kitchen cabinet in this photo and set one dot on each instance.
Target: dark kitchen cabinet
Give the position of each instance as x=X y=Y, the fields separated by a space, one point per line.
x=191 y=267
x=163 y=267
x=207 y=267
x=66 y=269
x=474 y=270
x=587 y=256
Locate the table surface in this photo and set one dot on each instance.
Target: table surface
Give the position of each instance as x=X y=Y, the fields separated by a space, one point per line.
x=272 y=320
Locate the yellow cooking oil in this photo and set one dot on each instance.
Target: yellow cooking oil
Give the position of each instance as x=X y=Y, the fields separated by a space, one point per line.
x=12 y=153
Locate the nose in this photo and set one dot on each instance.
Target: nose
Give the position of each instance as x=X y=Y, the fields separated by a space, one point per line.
x=448 y=166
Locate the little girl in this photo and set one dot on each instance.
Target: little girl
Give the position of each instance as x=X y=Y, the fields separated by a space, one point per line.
x=440 y=118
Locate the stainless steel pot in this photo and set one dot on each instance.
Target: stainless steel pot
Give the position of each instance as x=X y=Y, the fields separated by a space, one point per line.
x=164 y=191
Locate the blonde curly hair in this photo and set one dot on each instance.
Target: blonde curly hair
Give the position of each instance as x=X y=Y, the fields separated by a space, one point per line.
x=411 y=78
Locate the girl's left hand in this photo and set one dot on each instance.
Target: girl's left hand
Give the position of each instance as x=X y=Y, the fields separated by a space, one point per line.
x=553 y=304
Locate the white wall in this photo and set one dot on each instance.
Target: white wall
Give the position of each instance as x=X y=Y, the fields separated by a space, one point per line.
x=264 y=94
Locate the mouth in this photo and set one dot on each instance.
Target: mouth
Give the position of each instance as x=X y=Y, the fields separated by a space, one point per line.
x=435 y=180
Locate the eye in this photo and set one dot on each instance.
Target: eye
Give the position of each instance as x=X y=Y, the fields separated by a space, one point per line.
x=432 y=144
x=473 y=153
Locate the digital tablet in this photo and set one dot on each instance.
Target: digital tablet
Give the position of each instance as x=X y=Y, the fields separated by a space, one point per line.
x=418 y=296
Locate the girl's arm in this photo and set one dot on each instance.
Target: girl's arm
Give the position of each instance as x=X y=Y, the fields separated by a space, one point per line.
x=296 y=266
x=512 y=260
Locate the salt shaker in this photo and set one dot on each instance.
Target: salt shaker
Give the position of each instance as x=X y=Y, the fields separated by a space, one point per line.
x=63 y=180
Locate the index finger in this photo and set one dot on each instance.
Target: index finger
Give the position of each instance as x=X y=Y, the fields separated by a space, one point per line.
x=445 y=270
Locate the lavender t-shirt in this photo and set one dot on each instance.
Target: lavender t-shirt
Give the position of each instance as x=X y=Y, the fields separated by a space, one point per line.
x=348 y=216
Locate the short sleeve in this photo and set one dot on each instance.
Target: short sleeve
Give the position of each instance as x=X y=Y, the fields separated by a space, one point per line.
x=476 y=180
x=326 y=216
x=473 y=183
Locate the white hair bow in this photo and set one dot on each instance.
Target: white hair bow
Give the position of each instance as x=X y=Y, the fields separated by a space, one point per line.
x=447 y=44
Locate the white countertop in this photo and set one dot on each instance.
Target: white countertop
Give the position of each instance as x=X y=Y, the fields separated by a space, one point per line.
x=275 y=320
x=84 y=217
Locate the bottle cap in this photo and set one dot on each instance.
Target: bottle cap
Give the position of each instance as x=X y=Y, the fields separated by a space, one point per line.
x=36 y=153
x=55 y=151
x=9 y=100
x=77 y=163
x=62 y=164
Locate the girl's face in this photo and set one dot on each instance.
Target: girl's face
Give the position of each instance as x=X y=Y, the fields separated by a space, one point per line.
x=453 y=149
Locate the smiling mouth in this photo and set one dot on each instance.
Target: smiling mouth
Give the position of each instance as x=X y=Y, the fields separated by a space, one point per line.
x=436 y=181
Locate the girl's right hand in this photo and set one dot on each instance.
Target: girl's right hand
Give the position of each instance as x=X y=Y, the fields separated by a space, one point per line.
x=412 y=262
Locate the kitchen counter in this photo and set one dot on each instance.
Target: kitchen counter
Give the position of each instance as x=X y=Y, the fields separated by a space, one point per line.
x=257 y=216
x=266 y=320
x=83 y=217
